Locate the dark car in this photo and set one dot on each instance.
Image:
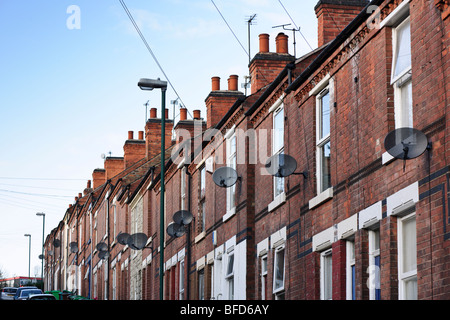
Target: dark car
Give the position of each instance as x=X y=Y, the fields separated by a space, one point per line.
x=20 y=289
x=8 y=293
x=43 y=296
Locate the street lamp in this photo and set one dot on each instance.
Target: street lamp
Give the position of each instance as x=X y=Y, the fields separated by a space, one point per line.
x=43 y=232
x=29 y=253
x=150 y=84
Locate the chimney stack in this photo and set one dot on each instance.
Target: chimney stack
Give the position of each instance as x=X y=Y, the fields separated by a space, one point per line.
x=153 y=133
x=266 y=66
x=133 y=150
x=113 y=166
x=219 y=101
x=98 y=177
x=334 y=15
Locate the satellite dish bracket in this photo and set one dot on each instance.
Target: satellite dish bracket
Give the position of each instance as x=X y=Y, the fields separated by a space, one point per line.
x=304 y=173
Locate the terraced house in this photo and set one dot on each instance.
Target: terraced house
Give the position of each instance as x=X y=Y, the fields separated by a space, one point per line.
x=306 y=188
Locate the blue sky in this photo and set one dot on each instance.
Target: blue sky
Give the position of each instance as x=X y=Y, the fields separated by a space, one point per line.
x=69 y=95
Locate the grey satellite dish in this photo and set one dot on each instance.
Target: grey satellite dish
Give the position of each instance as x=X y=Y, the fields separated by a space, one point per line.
x=182 y=217
x=101 y=246
x=50 y=252
x=225 y=177
x=122 y=238
x=405 y=143
x=137 y=241
x=282 y=165
x=103 y=254
x=175 y=230
x=56 y=243
x=41 y=256
x=73 y=247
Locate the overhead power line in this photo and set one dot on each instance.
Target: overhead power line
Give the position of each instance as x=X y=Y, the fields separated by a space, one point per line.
x=149 y=49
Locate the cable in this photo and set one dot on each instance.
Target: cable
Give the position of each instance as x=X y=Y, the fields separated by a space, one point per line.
x=295 y=25
x=230 y=29
x=36 y=194
x=61 y=179
x=150 y=50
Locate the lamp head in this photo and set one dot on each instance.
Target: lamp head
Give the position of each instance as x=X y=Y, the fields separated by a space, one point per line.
x=150 y=84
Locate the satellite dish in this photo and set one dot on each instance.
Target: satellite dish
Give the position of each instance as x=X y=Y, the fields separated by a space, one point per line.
x=103 y=254
x=282 y=165
x=122 y=238
x=175 y=230
x=41 y=256
x=56 y=243
x=225 y=177
x=73 y=247
x=405 y=143
x=101 y=246
x=182 y=217
x=50 y=252
x=137 y=241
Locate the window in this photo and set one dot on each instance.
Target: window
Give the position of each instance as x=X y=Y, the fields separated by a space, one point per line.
x=278 y=274
x=323 y=141
x=202 y=219
x=326 y=284
x=201 y=285
x=278 y=146
x=231 y=162
x=115 y=220
x=374 y=265
x=114 y=284
x=401 y=74
x=351 y=270
x=181 y=284
x=264 y=278
x=229 y=277
x=202 y=182
x=407 y=257
x=182 y=187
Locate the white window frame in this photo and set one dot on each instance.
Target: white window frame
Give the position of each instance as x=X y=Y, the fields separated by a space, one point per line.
x=231 y=162
x=374 y=270
x=183 y=187
x=201 y=284
x=181 y=281
x=229 y=276
x=263 y=277
x=280 y=290
x=350 y=263
x=276 y=151
x=324 y=256
x=403 y=277
x=321 y=141
x=401 y=82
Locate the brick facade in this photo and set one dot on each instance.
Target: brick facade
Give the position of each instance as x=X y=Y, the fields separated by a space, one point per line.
x=379 y=230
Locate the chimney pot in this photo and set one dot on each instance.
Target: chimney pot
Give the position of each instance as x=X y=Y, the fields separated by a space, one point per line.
x=233 y=83
x=141 y=135
x=197 y=114
x=215 y=83
x=281 y=43
x=152 y=113
x=183 y=114
x=130 y=135
x=89 y=183
x=80 y=195
x=264 y=42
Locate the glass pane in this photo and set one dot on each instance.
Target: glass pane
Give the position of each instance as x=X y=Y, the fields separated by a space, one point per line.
x=377 y=279
x=406 y=98
x=324 y=115
x=403 y=49
x=353 y=283
x=411 y=289
x=278 y=134
x=279 y=270
x=409 y=245
x=327 y=277
x=325 y=170
x=230 y=264
x=202 y=182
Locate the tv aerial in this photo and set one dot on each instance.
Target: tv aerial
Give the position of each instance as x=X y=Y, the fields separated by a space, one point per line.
x=225 y=177
x=181 y=219
x=283 y=165
x=406 y=143
x=293 y=32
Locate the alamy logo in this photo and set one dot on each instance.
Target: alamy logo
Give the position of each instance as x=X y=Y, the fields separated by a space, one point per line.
x=74 y=20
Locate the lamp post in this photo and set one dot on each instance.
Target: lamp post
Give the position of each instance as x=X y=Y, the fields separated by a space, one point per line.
x=29 y=253
x=150 y=84
x=41 y=214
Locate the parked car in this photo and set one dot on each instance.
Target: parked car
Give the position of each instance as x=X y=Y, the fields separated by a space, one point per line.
x=8 y=293
x=41 y=296
x=20 y=295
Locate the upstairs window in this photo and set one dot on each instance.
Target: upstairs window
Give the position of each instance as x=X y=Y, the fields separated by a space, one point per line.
x=278 y=146
x=401 y=74
x=323 y=147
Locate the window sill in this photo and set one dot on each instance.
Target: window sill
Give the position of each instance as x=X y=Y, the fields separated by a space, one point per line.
x=278 y=201
x=321 y=198
x=200 y=237
x=229 y=214
x=386 y=158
